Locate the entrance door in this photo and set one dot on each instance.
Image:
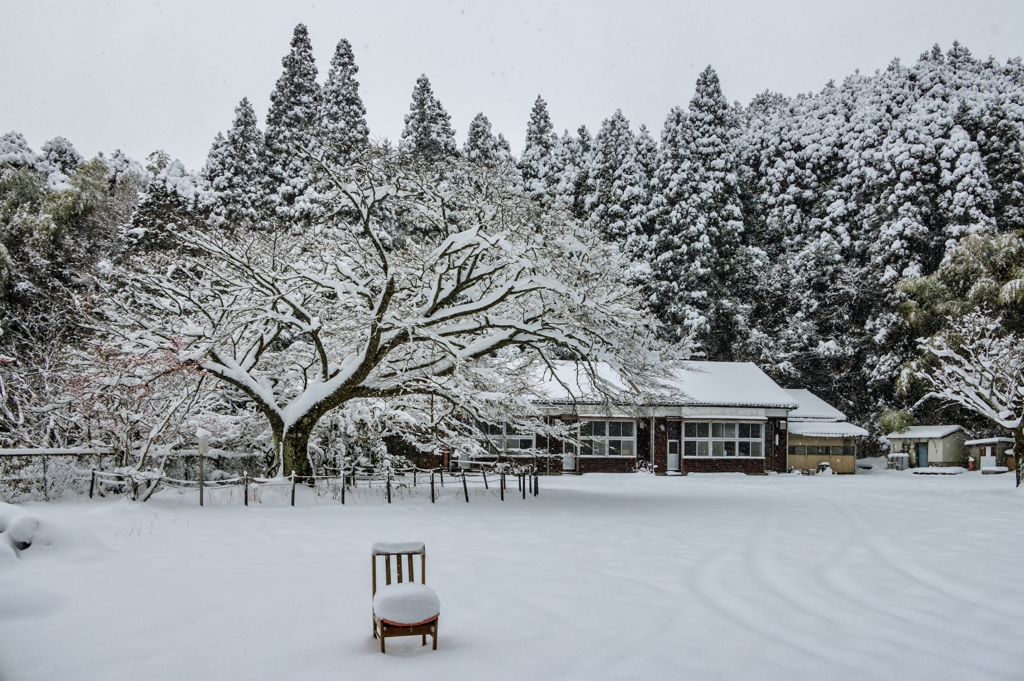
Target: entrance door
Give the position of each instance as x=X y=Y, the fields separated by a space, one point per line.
x=673 y=455
x=922 y=454
x=568 y=457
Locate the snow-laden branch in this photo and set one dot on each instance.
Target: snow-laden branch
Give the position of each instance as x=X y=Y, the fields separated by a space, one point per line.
x=445 y=283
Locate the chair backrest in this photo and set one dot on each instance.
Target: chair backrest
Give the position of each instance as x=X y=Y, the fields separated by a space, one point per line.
x=399 y=550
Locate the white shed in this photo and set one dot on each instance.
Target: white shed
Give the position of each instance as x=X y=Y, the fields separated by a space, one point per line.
x=930 y=445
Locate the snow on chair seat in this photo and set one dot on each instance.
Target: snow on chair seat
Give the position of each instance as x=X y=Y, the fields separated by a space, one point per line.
x=404 y=608
x=406 y=605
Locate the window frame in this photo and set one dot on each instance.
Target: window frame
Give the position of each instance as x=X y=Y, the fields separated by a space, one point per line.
x=605 y=438
x=718 y=444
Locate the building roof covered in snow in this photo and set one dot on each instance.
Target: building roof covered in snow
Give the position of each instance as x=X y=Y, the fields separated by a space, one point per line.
x=989 y=441
x=812 y=407
x=821 y=428
x=817 y=418
x=924 y=433
x=720 y=384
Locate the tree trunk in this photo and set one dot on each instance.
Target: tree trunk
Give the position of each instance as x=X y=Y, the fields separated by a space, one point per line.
x=1018 y=450
x=295 y=448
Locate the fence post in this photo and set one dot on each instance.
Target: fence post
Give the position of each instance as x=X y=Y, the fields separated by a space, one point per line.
x=204 y=445
x=413 y=477
x=465 y=490
x=245 y=486
x=502 y=486
x=389 y=489
x=293 y=487
x=440 y=471
x=536 y=484
x=92 y=483
x=522 y=484
x=344 y=484
x=46 y=492
x=485 y=478
x=431 y=486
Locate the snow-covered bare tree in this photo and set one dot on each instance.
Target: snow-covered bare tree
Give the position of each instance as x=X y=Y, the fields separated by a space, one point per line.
x=978 y=366
x=460 y=291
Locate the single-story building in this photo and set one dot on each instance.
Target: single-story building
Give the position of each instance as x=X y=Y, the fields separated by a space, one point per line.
x=930 y=445
x=989 y=452
x=819 y=433
x=705 y=417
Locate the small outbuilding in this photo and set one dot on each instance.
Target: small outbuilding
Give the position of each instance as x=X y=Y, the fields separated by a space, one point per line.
x=819 y=433
x=990 y=452
x=930 y=445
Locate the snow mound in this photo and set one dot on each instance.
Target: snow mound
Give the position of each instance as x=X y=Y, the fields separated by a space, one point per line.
x=945 y=470
x=872 y=464
x=30 y=536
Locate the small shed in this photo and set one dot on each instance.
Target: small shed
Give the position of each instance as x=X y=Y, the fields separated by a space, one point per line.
x=930 y=445
x=819 y=433
x=989 y=452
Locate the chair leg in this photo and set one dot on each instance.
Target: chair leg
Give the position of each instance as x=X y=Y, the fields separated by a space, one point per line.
x=382 y=640
x=424 y=639
x=435 y=634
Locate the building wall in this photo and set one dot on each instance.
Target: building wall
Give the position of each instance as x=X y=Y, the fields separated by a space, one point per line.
x=998 y=450
x=839 y=463
x=661 y=446
x=736 y=464
x=606 y=464
x=946 y=451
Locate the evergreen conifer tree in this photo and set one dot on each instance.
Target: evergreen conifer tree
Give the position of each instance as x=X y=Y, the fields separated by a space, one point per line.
x=342 y=123
x=698 y=220
x=428 y=131
x=615 y=182
x=291 y=123
x=536 y=161
x=235 y=171
x=481 y=144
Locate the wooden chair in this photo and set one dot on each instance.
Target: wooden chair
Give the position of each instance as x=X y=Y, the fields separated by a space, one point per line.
x=404 y=608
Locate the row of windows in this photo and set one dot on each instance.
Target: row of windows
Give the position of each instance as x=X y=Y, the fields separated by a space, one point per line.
x=604 y=438
x=722 y=448
x=723 y=439
x=822 y=450
x=727 y=431
x=596 y=438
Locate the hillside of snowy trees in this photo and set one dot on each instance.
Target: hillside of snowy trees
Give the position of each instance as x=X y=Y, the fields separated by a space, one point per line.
x=315 y=289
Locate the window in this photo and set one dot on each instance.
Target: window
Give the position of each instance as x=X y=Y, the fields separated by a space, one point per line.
x=845 y=450
x=798 y=450
x=506 y=438
x=723 y=439
x=607 y=438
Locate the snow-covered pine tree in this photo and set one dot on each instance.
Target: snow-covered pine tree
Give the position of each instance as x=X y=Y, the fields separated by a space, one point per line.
x=235 y=171
x=696 y=249
x=536 y=162
x=428 y=132
x=342 y=123
x=481 y=144
x=291 y=124
x=615 y=183
x=572 y=160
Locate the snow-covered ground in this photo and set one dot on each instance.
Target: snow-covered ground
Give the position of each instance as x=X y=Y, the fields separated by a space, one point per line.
x=876 y=576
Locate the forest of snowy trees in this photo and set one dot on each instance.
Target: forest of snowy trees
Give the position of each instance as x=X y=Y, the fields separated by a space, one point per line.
x=313 y=286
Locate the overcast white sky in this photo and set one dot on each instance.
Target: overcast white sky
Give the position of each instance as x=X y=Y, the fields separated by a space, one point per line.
x=143 y=75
